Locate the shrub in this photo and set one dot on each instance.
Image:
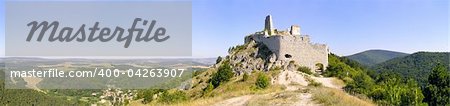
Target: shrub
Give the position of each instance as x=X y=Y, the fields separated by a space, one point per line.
x=218 y=60
x=174 y=97
x=240 y=47
x=275 y=68
x=262 y=81
x=315 y=84
x=208 y=89
x=291 y=62
x=147 y=95
x=347 y=80
x=198 y=72
x=316 y=75
x=305 y=70
x=223 y=74
x=245 y=77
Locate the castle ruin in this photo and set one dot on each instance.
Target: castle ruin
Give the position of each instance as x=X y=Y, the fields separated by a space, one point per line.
x=289 y=45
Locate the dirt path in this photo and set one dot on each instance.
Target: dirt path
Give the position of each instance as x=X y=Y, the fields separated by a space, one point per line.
x=328 y=82
x=236 y=101
x=290 y=77
x=291 y=96
x=283 y=98
x=305 y=99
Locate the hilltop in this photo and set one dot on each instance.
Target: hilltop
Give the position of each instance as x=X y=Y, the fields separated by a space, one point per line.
x=236 y=80
x=373 y=57
x=272 y=67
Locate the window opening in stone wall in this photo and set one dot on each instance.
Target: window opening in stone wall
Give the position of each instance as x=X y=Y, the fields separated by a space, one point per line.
x=287 y=56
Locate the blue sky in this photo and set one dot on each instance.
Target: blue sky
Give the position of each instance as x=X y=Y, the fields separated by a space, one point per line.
x=347 y=27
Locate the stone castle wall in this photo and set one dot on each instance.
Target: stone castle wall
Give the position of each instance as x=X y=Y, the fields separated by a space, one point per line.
x=292 y=46
x=300 y=50
x=295 y=48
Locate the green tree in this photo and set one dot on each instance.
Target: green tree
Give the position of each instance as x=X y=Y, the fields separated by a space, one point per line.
x=208 y=89
x=413 y=94
x=223 y=74
x=262 y=81
x=218 y=60
x=437 y=90
x=362 y=84
x=391 y=89
x=148 y=94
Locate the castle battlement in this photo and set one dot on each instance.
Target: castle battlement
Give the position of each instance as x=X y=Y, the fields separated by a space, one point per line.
x=290 y=45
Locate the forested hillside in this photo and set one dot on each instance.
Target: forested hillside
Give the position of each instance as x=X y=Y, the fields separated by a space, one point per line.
x=417 y=66
x=389 y=88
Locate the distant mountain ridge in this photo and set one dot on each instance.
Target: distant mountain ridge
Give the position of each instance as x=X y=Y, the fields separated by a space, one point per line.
x=373 y=57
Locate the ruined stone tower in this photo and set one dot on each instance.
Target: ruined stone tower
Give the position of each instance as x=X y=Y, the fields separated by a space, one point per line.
x=268 y=28
x=291 y=46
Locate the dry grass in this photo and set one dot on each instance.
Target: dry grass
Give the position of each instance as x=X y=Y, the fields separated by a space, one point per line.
x=234 y=88
x=338 y=82
x=273 y=95
x=335 y=97
x=227 y=91
x=197 y=102
x=276 y=98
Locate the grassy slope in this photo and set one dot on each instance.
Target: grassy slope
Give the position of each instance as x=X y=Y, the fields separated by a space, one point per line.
x=335 y=97
x=236 y=87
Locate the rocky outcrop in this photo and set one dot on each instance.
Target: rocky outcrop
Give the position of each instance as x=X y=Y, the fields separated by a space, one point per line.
x=253 y=56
